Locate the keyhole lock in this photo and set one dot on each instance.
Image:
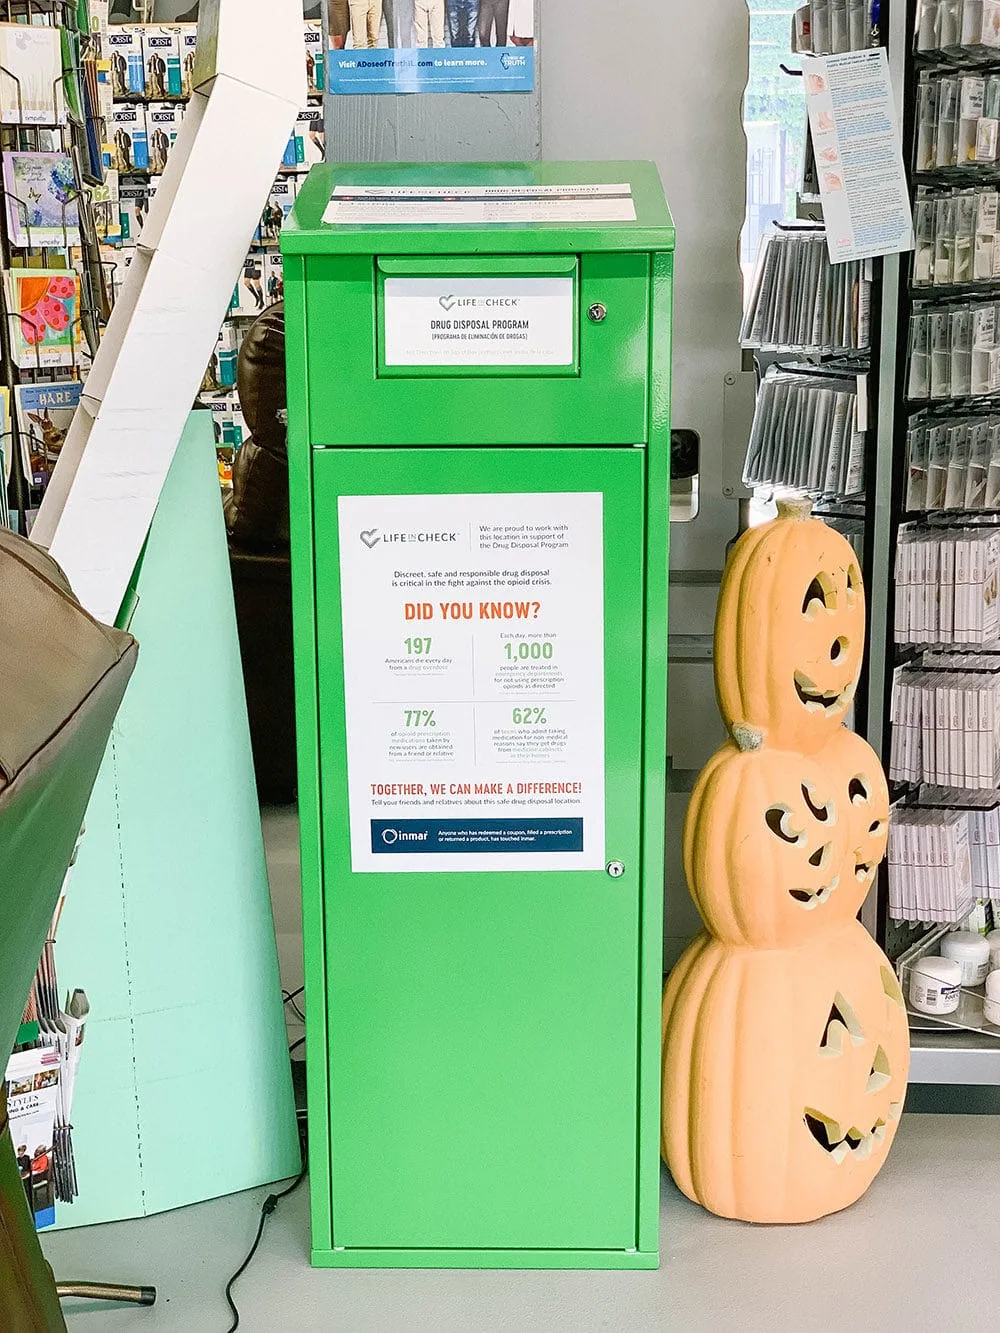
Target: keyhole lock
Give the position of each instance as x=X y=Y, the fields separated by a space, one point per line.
x=616 y=869
x=597 y=313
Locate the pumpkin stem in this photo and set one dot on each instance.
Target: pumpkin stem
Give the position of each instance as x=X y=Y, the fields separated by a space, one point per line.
x=747 y=738
x=795 y=506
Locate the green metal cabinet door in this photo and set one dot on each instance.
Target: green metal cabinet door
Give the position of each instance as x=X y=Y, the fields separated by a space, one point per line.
x=483 y=1026
x=604 y=400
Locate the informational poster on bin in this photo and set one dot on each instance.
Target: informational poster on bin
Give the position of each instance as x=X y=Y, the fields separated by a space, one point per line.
x=473 y=630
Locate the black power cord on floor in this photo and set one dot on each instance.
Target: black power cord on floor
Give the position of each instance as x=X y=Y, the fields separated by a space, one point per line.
x=267 y=1208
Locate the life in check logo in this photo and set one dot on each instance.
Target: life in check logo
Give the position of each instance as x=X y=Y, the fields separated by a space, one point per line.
x=478 y=302
x=372 y=536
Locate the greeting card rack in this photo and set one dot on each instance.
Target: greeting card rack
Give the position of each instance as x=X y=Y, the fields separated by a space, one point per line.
x=54 y=296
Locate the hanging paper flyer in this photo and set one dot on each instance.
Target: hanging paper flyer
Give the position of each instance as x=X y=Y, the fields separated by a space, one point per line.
x=435 y=46
x=473 y=631
x=859 y=155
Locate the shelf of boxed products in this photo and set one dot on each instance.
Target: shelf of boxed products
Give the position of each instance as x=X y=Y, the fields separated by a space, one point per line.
x=956 y=29
x=944 y=758
x=150 y=83
x=941 y=641
x=832 y=27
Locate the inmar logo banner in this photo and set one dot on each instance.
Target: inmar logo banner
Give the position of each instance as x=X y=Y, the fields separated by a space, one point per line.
x=431 y=46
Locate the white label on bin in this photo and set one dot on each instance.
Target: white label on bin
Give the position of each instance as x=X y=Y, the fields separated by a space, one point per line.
x=474 y=681
x=478 y=322
x=488 y=205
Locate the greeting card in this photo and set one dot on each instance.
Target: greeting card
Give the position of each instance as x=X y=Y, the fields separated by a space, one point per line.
x=42 y=312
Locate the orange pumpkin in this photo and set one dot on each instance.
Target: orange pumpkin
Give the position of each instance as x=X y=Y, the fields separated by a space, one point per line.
x=789 y=631
x=862 y=789
x=784 y=1073
x=765 y=848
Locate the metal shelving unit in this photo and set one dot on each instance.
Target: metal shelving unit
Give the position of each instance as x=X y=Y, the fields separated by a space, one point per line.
x=940 y=1055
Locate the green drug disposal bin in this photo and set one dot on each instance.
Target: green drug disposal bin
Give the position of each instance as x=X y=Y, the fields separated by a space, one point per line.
x=479 y=428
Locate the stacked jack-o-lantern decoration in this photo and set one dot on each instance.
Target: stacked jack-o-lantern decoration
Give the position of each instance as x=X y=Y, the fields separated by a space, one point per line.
x=785 y=1040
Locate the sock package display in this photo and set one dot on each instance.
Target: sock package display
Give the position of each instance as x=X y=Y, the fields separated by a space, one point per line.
x=800 y=301
x=946 y=729
x=957 y=26
x=955 y=237
x=806 y=434
x=953 y=351
x=930 y=865
x=958 y=121
x=947 y=585
x=143 y=134
x=982 y=813
x=832 y=27
x=953 y=463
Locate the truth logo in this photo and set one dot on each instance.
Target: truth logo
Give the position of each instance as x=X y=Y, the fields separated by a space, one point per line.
x=371 y=537
x=446 y=302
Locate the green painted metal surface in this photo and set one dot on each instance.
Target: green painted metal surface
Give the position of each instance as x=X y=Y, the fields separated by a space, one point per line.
x=483 y=1047
x=605 y=403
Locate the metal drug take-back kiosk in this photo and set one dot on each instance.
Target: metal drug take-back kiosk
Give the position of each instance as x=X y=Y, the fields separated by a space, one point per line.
x=478 y=436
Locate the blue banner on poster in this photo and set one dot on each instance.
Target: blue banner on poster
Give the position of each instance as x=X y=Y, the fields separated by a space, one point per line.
x=476 y=835
x=469 y=69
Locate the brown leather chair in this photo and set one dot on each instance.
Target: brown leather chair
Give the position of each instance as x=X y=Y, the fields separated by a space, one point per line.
x=62 y=677
x=257 y=524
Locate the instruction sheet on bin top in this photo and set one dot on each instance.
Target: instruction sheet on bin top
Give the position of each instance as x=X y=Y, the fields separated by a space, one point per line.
x=473 y=633
x=390 y=204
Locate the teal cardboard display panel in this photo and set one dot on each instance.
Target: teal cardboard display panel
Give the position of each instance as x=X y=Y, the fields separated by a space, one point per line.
x=184 y=1089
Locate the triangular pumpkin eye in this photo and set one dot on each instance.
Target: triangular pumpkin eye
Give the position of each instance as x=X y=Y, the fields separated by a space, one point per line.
x=880 y=1073
x=857 y=790
x=820 y=590
x=842 y=1019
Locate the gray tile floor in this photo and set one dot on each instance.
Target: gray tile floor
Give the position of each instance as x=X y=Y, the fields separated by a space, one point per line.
x=918 y=1253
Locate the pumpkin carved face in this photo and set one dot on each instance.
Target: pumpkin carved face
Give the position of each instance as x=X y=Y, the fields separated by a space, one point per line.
x=784 y=1074
x=789 y=632
x=765 y=848
x=862 y=790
